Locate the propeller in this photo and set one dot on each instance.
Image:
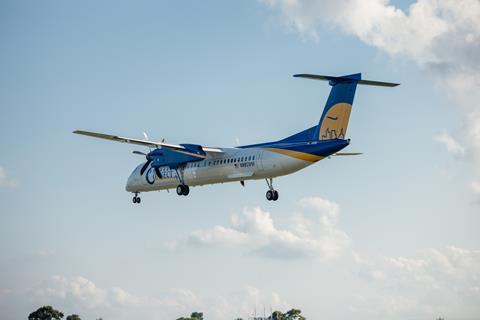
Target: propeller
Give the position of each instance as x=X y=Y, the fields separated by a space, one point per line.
x=149 y=159
x=145 y=166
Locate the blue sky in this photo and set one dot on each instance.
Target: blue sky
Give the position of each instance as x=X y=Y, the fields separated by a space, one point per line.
x=389 y=229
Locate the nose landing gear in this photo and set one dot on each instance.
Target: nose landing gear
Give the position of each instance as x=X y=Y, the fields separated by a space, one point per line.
x=136 y=198
x=272 y=194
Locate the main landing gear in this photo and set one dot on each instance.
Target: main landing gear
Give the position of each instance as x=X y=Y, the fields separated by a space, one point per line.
x=272 y=194
x=136 y=198
x=183 y=190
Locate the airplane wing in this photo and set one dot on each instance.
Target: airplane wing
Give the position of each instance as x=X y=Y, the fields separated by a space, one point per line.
x=141 y=142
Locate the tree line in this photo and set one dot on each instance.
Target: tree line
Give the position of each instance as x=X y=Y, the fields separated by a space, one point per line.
x=49 y=313
x=293 y=314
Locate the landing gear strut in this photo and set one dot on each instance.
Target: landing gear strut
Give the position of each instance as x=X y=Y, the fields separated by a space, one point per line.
x=272 y=194
x=182 y=188
x=136 y=198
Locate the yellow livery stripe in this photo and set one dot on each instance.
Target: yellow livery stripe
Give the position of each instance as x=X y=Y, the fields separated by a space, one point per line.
x=296 y=154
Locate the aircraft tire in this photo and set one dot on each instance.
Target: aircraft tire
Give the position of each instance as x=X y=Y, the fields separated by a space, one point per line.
x=275 y=195
x=179 y=189
x=186 y=190
x=269 y=195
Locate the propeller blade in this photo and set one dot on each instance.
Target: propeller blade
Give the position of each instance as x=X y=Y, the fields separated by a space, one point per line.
x=139 y=153
x=159 y=174
x=145 y=167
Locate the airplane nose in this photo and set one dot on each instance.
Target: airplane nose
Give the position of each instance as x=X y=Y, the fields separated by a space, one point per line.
x=130 y=183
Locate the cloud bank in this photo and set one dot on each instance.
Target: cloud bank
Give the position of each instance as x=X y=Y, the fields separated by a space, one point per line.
x=428 y=284
x=436 y=282
x=84 y=297
x=255 y=232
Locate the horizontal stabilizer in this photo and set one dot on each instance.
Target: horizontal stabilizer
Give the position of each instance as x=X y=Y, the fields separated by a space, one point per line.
x=347 y=154
x=344 y=79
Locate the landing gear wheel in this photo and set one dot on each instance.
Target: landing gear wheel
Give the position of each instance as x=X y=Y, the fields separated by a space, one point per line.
x=183 y=190
x=269 y=195
x=136 y=199
x=179 y=189
x=275 y=195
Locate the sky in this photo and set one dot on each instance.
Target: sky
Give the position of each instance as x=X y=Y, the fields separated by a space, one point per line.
x=391 y=234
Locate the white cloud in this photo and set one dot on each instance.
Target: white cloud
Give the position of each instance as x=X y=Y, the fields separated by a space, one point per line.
x=85 y=292
x=242 y=302
x=476 y=186
x=6 y=180
x=452 y=145
x=217 y=235
x=442 y=37
x=432 y=32
x=437 y=283
x=79 y=293
x=256 y=231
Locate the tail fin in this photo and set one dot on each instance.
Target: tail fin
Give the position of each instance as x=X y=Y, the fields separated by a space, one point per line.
x=334 y=121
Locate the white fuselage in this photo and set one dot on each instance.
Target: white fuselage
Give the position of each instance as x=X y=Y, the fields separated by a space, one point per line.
x=234 y=164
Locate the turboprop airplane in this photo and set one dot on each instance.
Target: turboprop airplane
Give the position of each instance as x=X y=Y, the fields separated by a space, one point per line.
x=181 y=166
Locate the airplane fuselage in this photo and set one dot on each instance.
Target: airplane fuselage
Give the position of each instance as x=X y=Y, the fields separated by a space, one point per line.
x=236 y=164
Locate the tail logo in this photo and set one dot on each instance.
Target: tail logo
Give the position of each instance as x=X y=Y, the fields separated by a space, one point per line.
x=335 y=122
x=332 y=134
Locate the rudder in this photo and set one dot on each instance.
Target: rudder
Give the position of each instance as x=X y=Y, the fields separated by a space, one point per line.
x=334 y=121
